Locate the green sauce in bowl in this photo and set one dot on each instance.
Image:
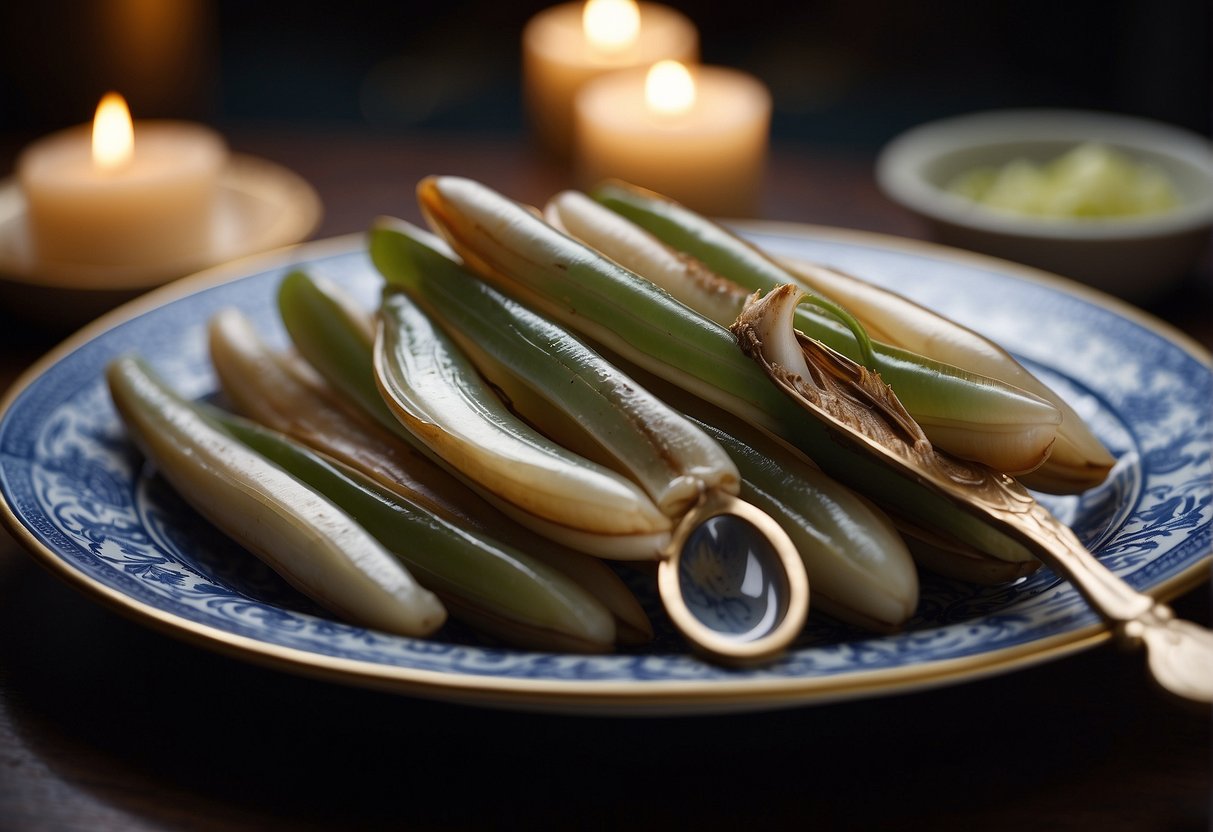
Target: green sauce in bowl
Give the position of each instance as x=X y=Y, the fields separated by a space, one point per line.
x=1091 y=180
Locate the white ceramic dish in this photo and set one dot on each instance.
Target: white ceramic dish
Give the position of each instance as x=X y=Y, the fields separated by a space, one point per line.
x=1133 y=257
x=76 y=494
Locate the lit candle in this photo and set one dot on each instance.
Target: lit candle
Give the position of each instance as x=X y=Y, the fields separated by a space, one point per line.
x=138 y=196
x=567 y=45
x=697 y=135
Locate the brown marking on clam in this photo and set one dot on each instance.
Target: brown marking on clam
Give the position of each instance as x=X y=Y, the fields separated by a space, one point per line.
x=862 y=411
x=708 y=280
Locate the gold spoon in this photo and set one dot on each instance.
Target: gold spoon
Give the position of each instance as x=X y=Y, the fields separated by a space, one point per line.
x=869 y=419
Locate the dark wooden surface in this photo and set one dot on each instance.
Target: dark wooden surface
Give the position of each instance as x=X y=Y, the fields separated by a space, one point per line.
x=108 y=725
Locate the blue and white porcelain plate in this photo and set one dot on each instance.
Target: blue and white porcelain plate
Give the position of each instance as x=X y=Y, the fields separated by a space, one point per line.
x=78 y=495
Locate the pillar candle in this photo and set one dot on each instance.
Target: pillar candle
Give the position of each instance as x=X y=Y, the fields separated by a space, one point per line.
x=148 y=206
x=562 y=49
x=698 y=135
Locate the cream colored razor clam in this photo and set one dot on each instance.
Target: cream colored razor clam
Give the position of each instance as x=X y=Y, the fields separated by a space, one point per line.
x=729 y=576
x=297 y=531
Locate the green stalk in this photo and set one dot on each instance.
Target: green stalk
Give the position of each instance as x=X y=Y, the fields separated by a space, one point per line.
x=337 y=340
x=964 y=413
x=1076 y=461
x=275 y=390
x=722 y=252
x=296 y=530
x=492 y=587
x=332 y=334
x=555 y=380
x=525 y=257
x=437 y=394
x=860 y=569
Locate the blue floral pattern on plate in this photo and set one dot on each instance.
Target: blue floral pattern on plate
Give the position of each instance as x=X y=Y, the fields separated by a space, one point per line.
x=85 y=498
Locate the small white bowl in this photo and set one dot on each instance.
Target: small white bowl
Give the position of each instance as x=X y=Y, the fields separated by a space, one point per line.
x=1136 y=257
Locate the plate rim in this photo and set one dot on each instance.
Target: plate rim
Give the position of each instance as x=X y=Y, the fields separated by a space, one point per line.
x=619 y=697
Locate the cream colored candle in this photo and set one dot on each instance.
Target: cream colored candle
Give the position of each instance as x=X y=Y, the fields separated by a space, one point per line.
x=140 y=197
x=698 y=135
x=566 y=45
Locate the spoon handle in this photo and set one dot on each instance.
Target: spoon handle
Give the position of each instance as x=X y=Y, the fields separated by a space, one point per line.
x=1179 y=653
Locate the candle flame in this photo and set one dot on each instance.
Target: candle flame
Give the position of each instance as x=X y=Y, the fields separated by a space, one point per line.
x=669 y=88
x=113 y=133
x=611 y=25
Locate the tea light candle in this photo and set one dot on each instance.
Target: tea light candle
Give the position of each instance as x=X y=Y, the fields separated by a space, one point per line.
x=138 y=196
x=564 y=46
x=696 y=135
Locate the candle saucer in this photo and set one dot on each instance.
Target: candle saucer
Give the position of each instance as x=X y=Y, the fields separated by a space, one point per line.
x=260 y=206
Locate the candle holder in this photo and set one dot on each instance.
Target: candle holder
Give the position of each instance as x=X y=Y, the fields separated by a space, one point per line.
x=259 y=206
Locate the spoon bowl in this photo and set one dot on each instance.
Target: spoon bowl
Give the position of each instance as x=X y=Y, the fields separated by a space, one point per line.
x=732 y=582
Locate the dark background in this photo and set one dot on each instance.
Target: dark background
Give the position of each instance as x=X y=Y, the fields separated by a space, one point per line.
x=846 y=74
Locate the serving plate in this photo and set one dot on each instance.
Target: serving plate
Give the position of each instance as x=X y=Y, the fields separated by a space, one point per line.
x=79 y=497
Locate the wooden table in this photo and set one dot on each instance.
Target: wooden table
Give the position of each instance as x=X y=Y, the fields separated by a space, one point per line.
x=107 y=725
